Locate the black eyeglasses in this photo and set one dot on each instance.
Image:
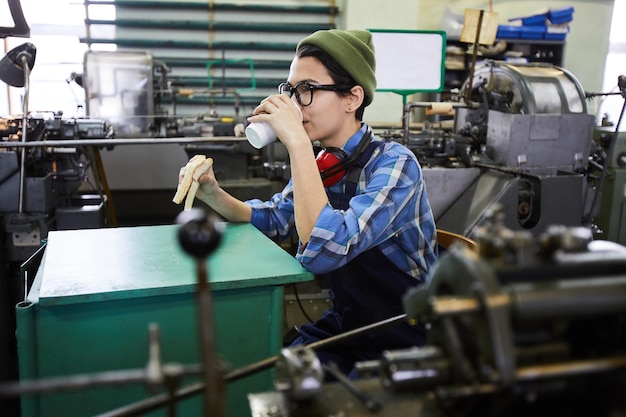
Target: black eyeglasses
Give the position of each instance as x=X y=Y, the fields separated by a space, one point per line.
x=304 y=91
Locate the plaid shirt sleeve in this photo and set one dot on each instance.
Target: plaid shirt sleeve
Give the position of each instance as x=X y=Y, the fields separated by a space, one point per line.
x=390 y=210
x=275 y=217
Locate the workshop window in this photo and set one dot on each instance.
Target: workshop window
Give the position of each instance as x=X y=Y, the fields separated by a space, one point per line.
x=56 y=27
x=229 y=55
x=222 y=57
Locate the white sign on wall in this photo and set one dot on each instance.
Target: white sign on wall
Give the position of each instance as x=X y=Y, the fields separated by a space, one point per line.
x=408 y=62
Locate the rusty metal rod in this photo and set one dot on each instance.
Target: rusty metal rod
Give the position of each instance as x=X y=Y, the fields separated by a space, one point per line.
x=65 y=383
x=267 y=363
x=470 y=79
x=214 y=389
x=158 y=401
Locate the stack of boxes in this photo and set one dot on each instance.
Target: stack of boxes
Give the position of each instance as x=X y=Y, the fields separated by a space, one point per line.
x=551 y=25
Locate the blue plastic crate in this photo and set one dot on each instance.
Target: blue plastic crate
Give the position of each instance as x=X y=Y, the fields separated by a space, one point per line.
x=556 y=32
x=508 y=32
x=564 y=15
x=554 y=36
x=534 y=20
x=533 y=32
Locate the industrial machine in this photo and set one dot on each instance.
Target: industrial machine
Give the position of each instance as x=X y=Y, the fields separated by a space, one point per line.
x=521 y=137
x=141 y=99
x=525 y=326
x=40 y=184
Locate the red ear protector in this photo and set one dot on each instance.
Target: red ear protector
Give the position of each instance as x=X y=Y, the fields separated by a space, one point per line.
x=329 y=162
x=333 y=163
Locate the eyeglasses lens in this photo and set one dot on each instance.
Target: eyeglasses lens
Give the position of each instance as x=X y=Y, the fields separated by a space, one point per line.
x=303 y=92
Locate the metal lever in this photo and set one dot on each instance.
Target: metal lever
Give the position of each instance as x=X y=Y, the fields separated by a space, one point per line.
x=200 y=237
x=370 y=403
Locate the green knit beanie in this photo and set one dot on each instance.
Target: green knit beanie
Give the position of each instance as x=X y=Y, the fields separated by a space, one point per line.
x=353 y=50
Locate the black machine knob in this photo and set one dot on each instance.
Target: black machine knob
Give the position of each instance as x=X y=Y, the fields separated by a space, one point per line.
x=198 y=235
x=621 y=84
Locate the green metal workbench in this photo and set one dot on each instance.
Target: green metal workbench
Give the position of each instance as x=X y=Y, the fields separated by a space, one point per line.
x=97 y=291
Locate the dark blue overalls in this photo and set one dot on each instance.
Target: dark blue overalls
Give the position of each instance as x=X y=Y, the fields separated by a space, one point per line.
x=366 y=290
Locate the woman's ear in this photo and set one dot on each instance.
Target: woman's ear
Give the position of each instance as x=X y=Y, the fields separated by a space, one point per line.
x=355 y=99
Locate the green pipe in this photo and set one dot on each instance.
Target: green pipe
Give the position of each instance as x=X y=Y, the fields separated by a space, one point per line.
x=202 y=62
x=149 y=43
x=231 y=82
x=330 y=10
x=204 y=25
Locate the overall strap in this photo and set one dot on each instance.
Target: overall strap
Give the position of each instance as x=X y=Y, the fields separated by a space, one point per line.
x=352 y=178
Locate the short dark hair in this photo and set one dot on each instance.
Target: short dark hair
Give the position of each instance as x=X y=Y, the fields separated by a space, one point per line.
x=336 y=71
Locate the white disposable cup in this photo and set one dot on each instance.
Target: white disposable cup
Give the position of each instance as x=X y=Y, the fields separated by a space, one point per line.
x=260 y=134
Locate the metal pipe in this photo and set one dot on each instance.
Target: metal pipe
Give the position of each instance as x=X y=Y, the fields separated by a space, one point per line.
x=570 y=299
x=72 y=143
x=539 y=372
x=573 y=368
x=561 y=300
x=267 y=363
x=101 y=379
x=26 y=68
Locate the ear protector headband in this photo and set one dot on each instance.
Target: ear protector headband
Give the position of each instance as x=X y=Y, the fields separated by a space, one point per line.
x=333 y=163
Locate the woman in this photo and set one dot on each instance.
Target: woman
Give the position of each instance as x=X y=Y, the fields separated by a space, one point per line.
x=364 y=224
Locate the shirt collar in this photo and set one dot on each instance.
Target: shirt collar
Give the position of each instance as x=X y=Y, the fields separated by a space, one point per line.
x=355 y=139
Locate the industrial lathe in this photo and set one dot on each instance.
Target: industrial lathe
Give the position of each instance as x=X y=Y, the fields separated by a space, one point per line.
x=522 y=326
x=522 y=138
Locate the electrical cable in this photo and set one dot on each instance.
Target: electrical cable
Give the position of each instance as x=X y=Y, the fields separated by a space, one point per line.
x=304 y=313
